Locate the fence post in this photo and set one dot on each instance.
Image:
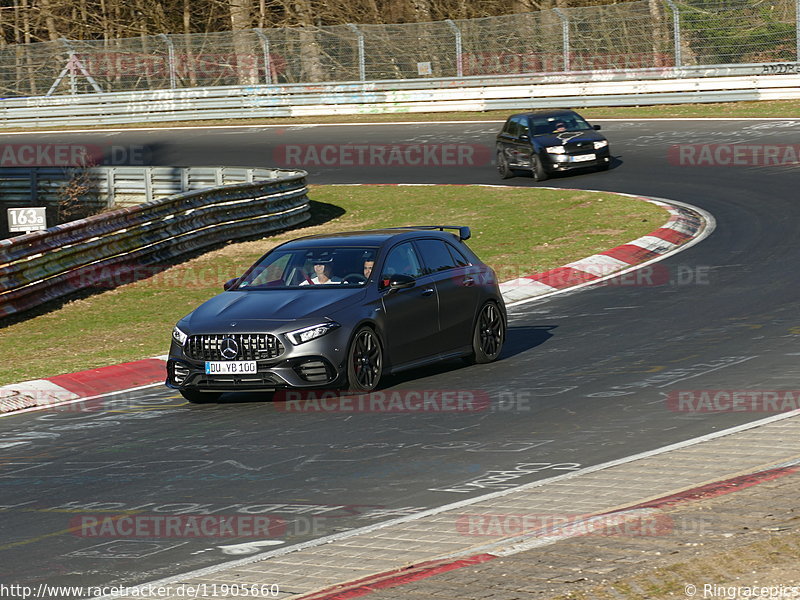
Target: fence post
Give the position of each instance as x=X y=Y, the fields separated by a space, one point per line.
x=110 y=182
x=676 y=31
x=34 y=186
x=173 y=79
x=564 y=36
x=459 y=48
x=267 y=60
x=362 y=71
x=148 y=184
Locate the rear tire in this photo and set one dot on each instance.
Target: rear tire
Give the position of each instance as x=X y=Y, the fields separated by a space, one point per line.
x=502 y=166
x=488 y=335
x=196 y=397
x=364 y=361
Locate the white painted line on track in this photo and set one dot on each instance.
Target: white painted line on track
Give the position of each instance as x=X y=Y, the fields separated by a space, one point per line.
x=455 y=505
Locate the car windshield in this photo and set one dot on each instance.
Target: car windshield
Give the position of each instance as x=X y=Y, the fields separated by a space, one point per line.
x=307 y=268
x=558 y=124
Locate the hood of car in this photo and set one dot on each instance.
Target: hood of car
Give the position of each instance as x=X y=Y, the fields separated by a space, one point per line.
x=569 y=138
x=260 y=308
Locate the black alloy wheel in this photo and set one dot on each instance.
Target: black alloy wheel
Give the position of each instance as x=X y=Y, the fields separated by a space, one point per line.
x=489 y=334
x=364 y=361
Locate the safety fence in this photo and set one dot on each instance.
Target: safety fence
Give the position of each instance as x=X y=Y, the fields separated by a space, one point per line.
x=42 y=266
x=629 y=35
x=302 y=100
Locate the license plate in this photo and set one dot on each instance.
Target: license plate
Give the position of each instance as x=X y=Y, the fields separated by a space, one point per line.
x=583 y=157
x=234 y=367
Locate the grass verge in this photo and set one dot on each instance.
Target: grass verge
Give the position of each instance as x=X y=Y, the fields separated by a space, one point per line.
x=518 y=231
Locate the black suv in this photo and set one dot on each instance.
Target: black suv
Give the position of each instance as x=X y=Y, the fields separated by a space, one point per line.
x=549 y=141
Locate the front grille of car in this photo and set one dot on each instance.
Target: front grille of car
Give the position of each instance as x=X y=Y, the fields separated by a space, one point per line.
x=579 y=147
x=256 y=346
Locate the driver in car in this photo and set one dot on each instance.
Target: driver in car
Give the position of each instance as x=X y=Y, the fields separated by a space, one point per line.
x=323 y=274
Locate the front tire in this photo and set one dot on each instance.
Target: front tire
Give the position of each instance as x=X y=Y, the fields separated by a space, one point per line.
x=489 y=334
x=196 y=397
x=538 y=171
x=364 y=361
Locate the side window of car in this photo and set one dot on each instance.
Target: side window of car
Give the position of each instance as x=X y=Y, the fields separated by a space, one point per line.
x=458 y=256
x=403 y=260
x=435 y=256
x=523 y=127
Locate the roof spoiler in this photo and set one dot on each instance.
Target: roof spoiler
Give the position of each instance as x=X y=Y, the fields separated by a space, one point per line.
x=463 y=232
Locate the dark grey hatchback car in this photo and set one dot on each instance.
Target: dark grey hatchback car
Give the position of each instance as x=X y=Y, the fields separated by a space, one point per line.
x=341 y=311
x=546 y=142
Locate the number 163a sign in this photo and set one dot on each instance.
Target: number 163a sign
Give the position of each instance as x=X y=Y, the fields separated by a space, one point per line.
x=26 y=219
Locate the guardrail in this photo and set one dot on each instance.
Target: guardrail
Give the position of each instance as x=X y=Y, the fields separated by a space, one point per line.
x=104 y=187
x=118 y=186
x=653 y=86
x=42 y=266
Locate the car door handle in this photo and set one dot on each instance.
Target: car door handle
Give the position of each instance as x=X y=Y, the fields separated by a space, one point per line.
x=468 y=281
x=427 y=292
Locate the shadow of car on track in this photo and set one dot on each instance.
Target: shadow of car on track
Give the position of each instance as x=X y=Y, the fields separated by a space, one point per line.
x=450 y=374
x=615 y=163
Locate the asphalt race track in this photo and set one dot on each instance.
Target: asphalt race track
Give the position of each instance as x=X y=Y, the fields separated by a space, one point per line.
x=585 y=377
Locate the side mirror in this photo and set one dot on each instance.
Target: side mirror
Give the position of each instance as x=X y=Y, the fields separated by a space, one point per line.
x=401 y=282
x=229 y=284
x=596 y=127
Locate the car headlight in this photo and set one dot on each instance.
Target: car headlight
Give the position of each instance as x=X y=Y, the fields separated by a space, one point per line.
x=555 y=149
x=306 y=334
x=179 y=336
x=600 y=144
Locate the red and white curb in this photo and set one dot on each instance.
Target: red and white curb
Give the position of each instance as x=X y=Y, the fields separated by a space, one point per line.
x=61 y=389
x=686 y=226
x=546 y=536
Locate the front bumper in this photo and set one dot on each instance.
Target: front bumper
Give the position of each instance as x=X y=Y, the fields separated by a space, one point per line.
x=567 y=162
x=318 y=363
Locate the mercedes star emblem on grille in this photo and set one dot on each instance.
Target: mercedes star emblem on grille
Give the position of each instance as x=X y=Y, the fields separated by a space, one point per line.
x=229 y=348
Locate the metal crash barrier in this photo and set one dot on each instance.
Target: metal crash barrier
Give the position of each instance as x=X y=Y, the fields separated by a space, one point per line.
x=42 y=266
